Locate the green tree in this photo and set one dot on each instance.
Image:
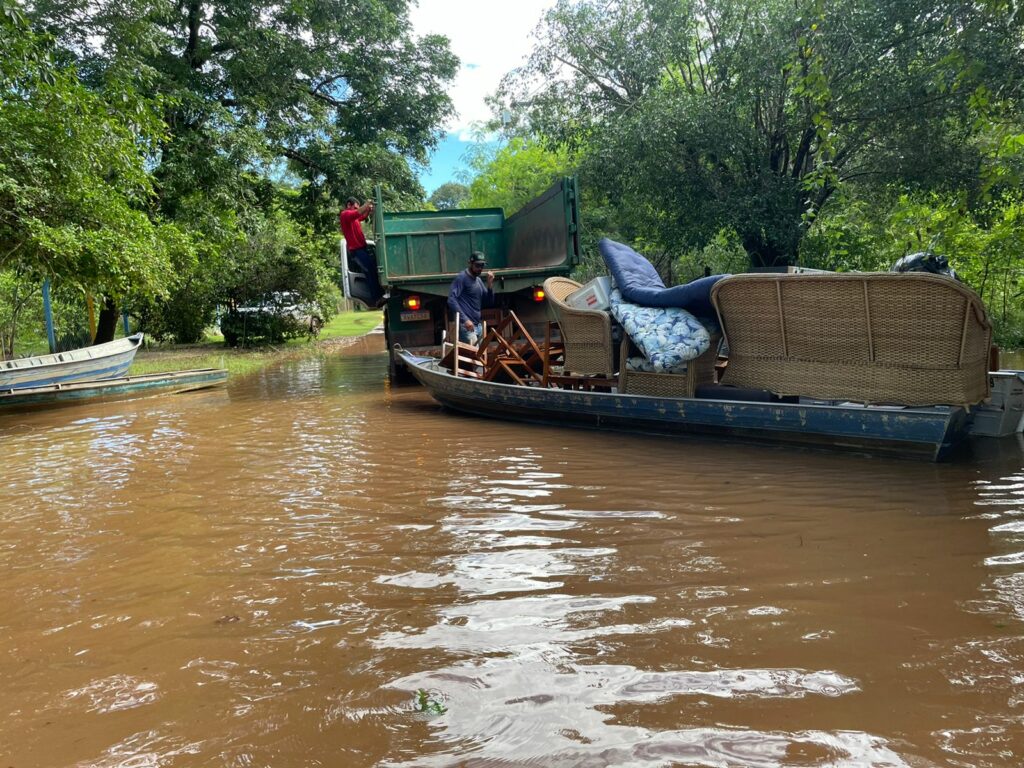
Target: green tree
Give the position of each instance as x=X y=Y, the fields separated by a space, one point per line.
x=510 y=176
x=706 y=115
x=75 y=192
x=449 y=195
x=324 y=99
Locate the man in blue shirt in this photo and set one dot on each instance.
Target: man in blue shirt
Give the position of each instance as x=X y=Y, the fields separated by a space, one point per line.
x=467 y=296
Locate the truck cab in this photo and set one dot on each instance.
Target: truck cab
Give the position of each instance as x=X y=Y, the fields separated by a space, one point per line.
x=419 y=253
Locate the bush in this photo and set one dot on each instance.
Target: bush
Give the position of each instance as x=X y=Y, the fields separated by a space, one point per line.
x=266 y=327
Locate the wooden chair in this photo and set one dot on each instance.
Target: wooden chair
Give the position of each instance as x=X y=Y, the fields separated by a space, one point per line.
x=460 y=358
x=509 y=352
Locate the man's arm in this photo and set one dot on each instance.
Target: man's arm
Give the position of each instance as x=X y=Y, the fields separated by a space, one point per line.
x=488 y=297
x=453 y=295
x=365 y=210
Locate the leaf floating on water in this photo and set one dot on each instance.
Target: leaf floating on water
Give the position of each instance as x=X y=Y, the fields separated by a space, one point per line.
x=429 y=704
x=228 y=620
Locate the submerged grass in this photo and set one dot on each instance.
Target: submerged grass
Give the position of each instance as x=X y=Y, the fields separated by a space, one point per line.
x=213 y=353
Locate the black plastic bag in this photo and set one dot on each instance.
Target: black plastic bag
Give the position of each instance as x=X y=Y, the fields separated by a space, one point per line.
x=925 y=262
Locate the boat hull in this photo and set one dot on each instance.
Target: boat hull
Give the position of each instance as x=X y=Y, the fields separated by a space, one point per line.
x=929 y=433
x=103 y=361
x=124 y=388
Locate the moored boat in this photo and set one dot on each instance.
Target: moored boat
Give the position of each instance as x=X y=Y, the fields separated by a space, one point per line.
x=101 y=361
x=121 y=388
x=932 y=433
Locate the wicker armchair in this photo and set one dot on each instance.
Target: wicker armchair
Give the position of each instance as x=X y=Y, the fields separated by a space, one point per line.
x=586 y=333
x=906 y=339
x=698 y=371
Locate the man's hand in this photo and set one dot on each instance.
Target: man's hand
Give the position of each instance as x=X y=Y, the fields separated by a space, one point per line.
x=490 y=279
x=468 y=325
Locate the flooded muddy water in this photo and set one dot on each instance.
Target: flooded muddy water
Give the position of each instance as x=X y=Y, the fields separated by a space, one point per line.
x=309 y=569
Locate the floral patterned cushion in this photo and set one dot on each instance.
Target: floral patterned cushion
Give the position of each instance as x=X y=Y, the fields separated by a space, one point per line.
x=667 y=336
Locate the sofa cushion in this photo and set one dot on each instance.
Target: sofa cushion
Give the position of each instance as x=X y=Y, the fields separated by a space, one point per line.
x=667 y=336
x=640 y=284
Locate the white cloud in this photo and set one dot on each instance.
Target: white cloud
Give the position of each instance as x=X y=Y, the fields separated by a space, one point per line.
x=490 y=37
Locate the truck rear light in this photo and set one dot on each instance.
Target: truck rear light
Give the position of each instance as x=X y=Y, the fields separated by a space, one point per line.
x=538 y=294
x=412 y=302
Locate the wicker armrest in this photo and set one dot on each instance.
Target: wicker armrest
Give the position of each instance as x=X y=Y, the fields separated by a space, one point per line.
x=699 y=371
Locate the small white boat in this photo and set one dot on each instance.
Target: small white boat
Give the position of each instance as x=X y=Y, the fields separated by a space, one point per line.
x=102 y=361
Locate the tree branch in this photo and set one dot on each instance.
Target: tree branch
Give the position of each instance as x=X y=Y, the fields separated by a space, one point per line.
x=291 y=154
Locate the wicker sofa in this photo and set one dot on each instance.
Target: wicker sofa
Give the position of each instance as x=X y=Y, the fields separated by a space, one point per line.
x=906 y=339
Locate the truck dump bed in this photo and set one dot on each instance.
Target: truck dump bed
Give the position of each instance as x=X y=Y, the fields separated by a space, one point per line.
x=424 y=250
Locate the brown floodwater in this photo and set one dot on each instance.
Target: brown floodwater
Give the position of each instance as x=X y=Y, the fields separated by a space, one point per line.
x=309 y=569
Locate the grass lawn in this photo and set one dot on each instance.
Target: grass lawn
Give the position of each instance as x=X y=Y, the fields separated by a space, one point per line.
x=351 y=324
x=213 y=353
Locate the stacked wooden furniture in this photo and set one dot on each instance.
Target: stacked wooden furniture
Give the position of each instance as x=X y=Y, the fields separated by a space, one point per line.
x=507 y=353
x=909 y=339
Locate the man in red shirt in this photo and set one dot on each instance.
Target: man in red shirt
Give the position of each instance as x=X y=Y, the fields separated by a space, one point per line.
x=350 y=221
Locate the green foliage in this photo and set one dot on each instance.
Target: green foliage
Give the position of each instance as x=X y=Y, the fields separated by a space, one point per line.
x=722 y=255
x=268 y=327
x=728 y=114
x=428 y=704
x=449 y=195
x=162 y=153
x=983 y=244
x=510 y=176
x=338 y=95
x=74 y=184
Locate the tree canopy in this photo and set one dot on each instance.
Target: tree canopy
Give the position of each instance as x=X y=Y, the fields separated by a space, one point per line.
x=711 y=114
x=451 y=194
x=74 y=186
x=706 y=128
x=150 y=145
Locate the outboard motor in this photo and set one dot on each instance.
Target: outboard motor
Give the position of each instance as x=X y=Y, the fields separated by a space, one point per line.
x=925 y=262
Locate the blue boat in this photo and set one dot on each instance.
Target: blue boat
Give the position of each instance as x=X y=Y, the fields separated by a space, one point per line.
x=932 y=433
x=101 y=361
x=121 y=388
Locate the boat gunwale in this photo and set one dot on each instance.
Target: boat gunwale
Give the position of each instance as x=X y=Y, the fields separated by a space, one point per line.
x=141 y=378
x=933 y=433
x=430 y=365
x=53 y=360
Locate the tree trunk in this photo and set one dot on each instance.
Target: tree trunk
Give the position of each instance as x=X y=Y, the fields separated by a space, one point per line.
x=764 y=253
x=107 y=323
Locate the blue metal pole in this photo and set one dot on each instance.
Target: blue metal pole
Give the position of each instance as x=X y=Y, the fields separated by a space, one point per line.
x=124 y=322
x=48 y=314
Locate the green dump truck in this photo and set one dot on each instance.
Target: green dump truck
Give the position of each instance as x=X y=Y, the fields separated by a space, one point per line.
x=419 y=253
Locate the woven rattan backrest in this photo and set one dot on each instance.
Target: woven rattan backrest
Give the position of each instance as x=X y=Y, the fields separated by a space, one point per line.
x=558 y=288
x=881 y=317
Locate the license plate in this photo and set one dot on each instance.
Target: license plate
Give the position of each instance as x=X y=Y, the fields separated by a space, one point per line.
x=411 y=317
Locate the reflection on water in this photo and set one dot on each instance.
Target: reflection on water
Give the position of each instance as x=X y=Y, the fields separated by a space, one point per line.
x=279 y=573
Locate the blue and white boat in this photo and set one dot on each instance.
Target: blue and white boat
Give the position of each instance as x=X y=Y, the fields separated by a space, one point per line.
x=102 y=361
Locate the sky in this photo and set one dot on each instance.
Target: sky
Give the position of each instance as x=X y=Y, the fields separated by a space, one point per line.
x=490 y=37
